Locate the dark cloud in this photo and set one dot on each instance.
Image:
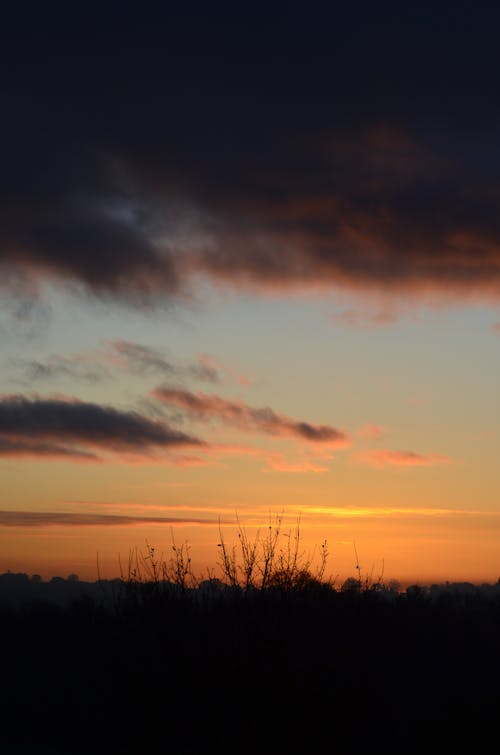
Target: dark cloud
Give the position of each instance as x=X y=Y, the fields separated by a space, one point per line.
x=70 y=428
x=353 y=147
x=50 y=518
x=248 y=418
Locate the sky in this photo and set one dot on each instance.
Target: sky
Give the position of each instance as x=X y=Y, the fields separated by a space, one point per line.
x=250 y=269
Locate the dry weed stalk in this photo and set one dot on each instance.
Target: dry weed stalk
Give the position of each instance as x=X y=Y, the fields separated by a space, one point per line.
x=147 y=568
x=273 y=560
x=261 y=564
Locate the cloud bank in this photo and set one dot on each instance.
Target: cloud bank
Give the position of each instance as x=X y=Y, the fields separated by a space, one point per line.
x=68 y=428
x=143 y=149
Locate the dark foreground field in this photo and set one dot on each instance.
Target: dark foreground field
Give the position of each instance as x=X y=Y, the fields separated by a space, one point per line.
x=306 y=670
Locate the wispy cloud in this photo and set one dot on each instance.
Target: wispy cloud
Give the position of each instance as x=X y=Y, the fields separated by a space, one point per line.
x=219 y=367
x=389 y=512
x=67 y=427
x=54 y=518
x=18 y=447
x=139 y=359
x=80 y=367
x=277 y=462
x=371 y=432
x=383 y=457
x=126 y=356
x=249 y=419
x=365 y=319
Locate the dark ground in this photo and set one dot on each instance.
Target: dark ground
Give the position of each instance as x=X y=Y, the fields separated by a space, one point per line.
x=306 y=671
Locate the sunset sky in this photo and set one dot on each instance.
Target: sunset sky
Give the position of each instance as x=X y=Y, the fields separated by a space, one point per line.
x=250 y=267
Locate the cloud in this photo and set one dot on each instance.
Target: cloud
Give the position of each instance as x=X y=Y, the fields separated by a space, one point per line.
x=201 y=144
x=274 y=461
x=52 y=518
x=27 y=448
x=381 y=458
x=372 y=432
x=44 y=427
x=216 y=367
x=128 y=356
x=79 y=367
x=390 y=512
x=277 y=462
x=143 y=359
x=365 y=319
x=249 y=419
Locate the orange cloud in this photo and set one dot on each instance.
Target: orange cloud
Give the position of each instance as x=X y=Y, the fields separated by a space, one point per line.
x=373 y=432
x=361 y=318
x=278 y=463
x=249 y=419
x=273 y=461
x=381 y=458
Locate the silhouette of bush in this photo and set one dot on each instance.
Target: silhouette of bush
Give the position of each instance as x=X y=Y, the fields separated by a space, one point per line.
x=264 y=562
